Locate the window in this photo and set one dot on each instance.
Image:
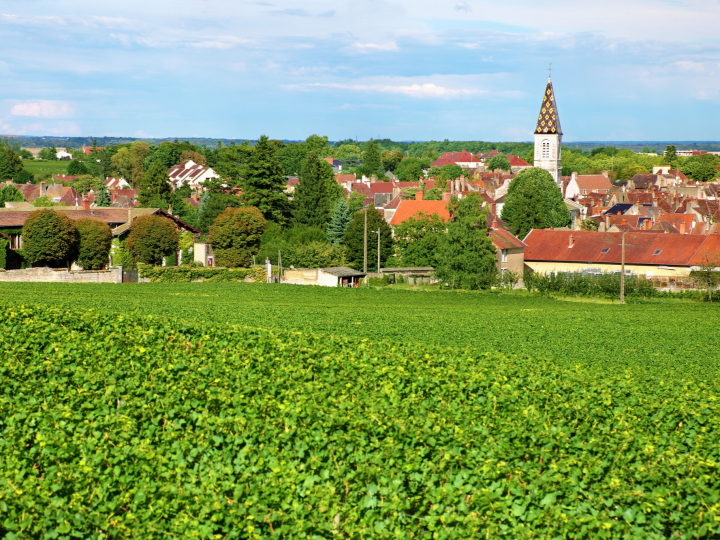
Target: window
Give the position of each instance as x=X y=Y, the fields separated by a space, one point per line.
x=605 y=250
x=504 y=255
x=657 y=252
x=546 y=149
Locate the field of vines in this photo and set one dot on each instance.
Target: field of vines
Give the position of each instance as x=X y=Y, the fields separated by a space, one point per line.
x=161 y=410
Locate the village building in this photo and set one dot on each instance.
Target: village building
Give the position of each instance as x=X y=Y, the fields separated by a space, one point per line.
x=548 y=136
x=189 y=172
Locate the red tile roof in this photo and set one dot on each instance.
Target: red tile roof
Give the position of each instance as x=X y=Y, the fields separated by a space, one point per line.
x=410 y=208
x=679 y=221
x=505 y=240
x=588 y=247
x=515 y=161
x=593 y=182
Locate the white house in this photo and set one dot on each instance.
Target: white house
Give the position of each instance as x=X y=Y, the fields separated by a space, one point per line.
x=189 y=172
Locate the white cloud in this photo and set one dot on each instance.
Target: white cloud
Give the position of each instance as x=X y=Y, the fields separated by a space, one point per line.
x=221 y=42
x=462 y=6
x=365 y=48
x=43 y=109
x=426 y=90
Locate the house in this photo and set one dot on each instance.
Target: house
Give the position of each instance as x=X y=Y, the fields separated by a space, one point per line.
x=116 y=183
x=585 y=184
x=89 y=149
x=189 y=172
x=337 y=276
x=203 y=254
x=517 y=164
x=464 y=159
x=291 y=184
x=510 y=251
x=119 y=219
x=647 y=253
x=63 y=156
x=414 y=207
x=336 y=164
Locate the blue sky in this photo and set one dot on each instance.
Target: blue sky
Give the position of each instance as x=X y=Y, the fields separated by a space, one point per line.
x=405 y=69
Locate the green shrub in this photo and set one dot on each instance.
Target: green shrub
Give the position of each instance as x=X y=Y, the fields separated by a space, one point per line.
x=187 y=274
x=151 y=239
x=49 y=238
x=95 y=242
x=235 y=236
x=4 y=248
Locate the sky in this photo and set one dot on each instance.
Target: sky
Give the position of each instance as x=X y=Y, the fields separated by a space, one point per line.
x=402 y=69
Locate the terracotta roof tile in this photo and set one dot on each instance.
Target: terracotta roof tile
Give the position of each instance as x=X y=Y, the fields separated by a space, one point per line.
x=409 y=208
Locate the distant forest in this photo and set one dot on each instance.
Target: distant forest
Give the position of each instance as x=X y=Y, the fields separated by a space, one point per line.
x=413 y=148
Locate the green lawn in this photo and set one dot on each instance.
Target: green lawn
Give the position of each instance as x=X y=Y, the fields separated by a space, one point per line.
x=664 y=335
x=46 y=169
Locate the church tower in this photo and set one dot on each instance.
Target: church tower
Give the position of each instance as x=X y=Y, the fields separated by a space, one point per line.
x=548 y=136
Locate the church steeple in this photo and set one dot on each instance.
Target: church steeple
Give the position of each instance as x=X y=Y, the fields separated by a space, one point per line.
x=549 y=119
x=548 y=136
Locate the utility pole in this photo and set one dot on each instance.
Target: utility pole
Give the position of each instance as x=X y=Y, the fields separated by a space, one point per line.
x=622 y=272
x=365 y=245
x=378 y=251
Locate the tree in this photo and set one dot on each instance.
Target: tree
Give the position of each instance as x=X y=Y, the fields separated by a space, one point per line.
x=409 y=170
x=450 y=171
x=121 y=164
x=708 y=273
x=418 y=240
x=346 y=150
x=589 y=225
x=498 y=162
x=391 y=159
x=534 y=201
x=139 y=152
x=701 y=168
x=102 y=196
x=151 y=239
x=10 y=163
x=353 y=238
x=9 y=193
x=313 y=255
x=670 y=152
x=372 y=161
x=86 y=183
x=316 y=194
x=196 y=157
x=434 y=194
x=211 y=206
x=264 y=183
x=355 y=202
x=339 y=222
x=43 y=202
x=48 y=154
x=24 y=177
x=49 y=239
x=95 y=240
x=235 y=236
x=155 y=187
x=77 y=168
x=467 y=259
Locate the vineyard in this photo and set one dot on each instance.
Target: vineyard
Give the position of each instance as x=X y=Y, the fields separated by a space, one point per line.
x=358 y=414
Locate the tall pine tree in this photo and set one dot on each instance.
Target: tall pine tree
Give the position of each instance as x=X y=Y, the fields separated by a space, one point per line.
x=316 y=194
x=264 y=183
x=341 y=216
x=155 y=188
x=372 y=160
x=102 y=197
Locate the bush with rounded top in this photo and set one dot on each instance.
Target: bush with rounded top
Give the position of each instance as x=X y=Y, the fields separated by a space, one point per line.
x=151 y=239
x=49 y=239
x=95 y=241
x=235 y=236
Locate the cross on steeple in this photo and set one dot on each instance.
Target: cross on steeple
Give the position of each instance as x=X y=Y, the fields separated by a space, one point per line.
x=550 y=71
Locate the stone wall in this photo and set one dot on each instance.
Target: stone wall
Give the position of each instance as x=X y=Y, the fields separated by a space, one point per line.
x=56 y=275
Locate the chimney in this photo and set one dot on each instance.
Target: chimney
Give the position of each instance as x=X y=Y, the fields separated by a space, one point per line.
x=648 y=224
x=493 y=208
x=86 y=203
x=494 y=223
x=682 y=228
x=572 y=241
x=605 y=174
x=624 y=220
x=130 y=216
x=194 y=197
x=446 y=196
x=43 y=189
x=419 y=195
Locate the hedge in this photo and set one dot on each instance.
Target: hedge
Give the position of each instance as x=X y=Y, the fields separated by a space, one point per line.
x=179 y=274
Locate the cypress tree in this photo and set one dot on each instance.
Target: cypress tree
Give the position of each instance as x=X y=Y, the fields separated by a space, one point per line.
x=103 y=199
x=317 y=192
x=372 y=160
x=264 y=183
x=341 y=216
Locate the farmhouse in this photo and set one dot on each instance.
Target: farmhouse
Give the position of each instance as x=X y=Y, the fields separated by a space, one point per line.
x=647 y=253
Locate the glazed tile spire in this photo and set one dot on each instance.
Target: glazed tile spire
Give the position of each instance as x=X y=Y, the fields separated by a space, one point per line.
x=549 y=120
